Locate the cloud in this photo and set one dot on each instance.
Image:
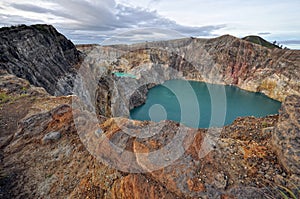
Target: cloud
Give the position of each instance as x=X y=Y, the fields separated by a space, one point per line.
x=290 y=42
x=155 y=1
x=264 y=33
x=293 y=43
x=142 y=35
x=8 y=20
x=29 y=7
x=90 y=20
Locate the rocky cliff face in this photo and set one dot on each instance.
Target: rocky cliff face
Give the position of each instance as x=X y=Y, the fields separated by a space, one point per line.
x=223 y=60
x=39 y=54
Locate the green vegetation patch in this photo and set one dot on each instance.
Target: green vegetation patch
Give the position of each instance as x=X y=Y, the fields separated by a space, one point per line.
x=260 y=41
x=4 y=97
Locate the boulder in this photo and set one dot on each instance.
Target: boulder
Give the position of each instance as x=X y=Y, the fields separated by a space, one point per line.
x=286 y=136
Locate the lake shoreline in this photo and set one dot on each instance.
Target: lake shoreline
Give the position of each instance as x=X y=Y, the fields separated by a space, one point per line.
x=205 y=96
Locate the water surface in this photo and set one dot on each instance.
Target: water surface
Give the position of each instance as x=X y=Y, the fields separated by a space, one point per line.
x=119 y=74
x=202 y=105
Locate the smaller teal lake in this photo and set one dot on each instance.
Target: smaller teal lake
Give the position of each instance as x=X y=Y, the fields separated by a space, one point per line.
x=119 y=74
x=202 y=105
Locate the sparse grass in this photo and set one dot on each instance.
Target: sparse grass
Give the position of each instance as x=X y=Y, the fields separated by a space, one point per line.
x=49 y=175
x=5 y=98
x=264 y=124
x=268 y=85
x=290 y=191
x=287 y=193
x=24 y=88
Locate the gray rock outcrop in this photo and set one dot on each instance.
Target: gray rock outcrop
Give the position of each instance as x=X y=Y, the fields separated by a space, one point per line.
x=40 y=54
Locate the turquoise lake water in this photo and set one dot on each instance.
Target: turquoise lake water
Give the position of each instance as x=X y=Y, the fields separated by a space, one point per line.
x=202 y=105
x=118 y=74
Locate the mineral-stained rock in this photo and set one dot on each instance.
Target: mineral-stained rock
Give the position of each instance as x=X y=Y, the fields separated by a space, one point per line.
x=39 y=54
x=224 y=60
x=235 y=165
x=13 y=89
x=138 y=186
x=52 y=136
x=286 y=137
x=10 y=84
x=38 y=123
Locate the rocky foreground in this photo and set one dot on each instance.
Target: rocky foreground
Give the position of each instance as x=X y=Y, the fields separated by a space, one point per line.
x=53 y=147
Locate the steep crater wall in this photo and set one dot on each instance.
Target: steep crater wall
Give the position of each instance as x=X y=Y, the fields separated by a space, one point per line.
x=224 y=60
x=40 y=54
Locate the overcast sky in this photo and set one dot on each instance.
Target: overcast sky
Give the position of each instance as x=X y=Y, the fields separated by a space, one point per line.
x=95 y=21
